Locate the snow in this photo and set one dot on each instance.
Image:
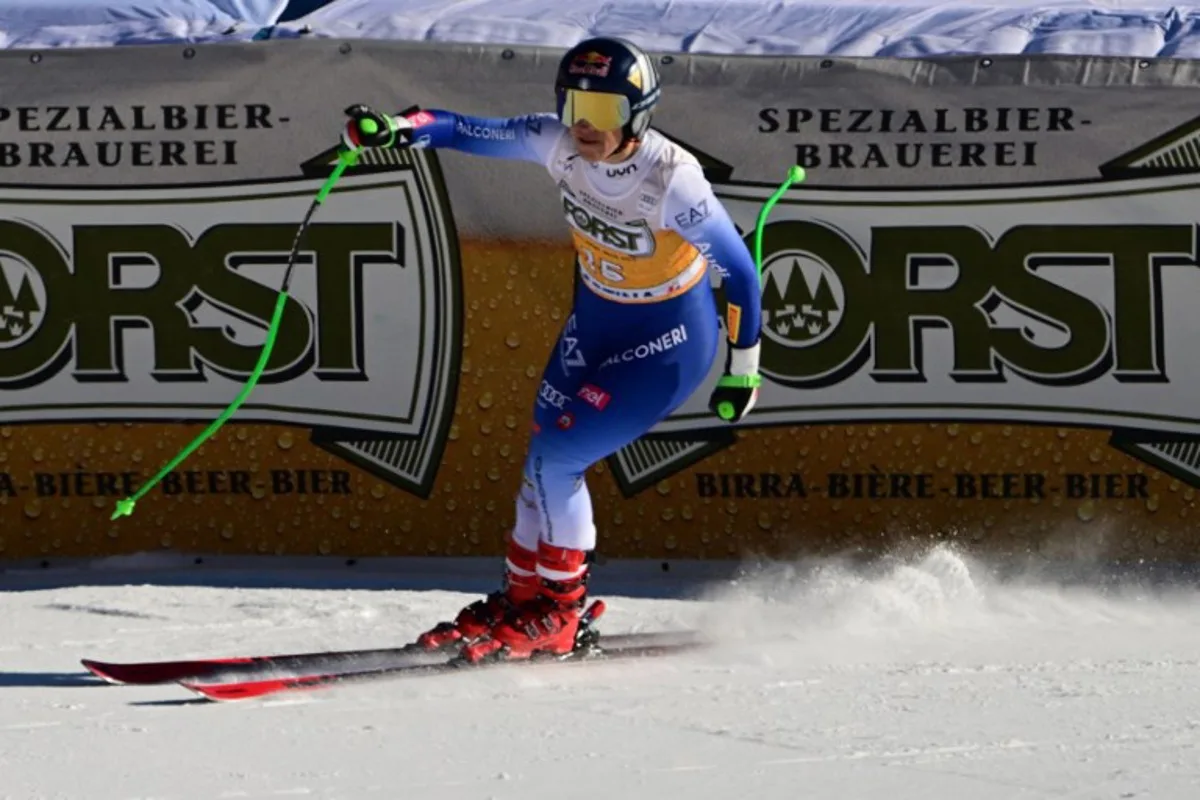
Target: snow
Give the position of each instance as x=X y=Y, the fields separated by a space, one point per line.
x=930 y=677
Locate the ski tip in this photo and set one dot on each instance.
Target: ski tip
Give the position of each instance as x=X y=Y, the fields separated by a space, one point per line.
x=214 y=691
x=99 y=669
x=248 y=690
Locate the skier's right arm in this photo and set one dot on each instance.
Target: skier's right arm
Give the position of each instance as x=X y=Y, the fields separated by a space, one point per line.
x=525 y=138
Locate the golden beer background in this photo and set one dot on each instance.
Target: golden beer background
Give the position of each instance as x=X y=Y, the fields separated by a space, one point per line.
x=517 y=295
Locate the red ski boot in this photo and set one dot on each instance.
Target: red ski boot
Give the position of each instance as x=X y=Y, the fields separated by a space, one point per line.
x=519 y=588
x=547 y=624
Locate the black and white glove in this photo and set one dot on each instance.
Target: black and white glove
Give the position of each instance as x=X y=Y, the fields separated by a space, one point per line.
x=368 y=128
x=737 y=390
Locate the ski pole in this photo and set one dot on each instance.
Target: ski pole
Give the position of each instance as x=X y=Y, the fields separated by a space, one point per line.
x=796 y=173
x=346 y=158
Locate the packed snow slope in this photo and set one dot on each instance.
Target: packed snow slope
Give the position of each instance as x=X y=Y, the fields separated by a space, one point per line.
x=923 y=678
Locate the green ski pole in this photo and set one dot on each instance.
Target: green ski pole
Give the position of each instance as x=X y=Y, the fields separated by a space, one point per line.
x=125 y=507
x=795 y=175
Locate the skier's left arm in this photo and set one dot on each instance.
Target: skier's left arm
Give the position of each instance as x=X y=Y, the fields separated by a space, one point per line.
x=530 y=137
x=693 y=211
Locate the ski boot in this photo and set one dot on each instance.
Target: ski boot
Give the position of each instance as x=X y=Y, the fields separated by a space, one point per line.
x=520 y=586
x=551 y=624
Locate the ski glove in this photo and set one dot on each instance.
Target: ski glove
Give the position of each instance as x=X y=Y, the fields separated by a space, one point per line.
x=737 y=390
x=368 y=128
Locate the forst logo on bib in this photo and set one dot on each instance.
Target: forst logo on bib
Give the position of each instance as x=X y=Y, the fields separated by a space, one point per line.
x=634 y=240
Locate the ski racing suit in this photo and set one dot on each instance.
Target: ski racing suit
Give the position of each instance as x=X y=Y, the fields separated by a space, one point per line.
x=644 y=329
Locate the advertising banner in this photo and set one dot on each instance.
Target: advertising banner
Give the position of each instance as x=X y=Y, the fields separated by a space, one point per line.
x=977 y=316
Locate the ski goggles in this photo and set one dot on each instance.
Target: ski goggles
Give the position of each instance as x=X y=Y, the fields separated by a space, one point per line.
x=604 y=111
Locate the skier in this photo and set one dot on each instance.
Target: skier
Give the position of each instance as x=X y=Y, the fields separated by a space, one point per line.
x=641 y=336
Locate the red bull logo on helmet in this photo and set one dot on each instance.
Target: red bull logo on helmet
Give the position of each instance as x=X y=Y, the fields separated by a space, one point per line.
x=590 y=63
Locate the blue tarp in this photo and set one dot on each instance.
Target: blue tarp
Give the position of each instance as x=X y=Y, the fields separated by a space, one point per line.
x=891 y=28
x=102 y=23
x=897 y=28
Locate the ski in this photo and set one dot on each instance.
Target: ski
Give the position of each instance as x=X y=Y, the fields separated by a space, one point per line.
x=157 y=672
x=631 y=646
x=242 y=669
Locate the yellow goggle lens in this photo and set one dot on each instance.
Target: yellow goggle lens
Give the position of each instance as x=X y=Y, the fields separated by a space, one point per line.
x=601 y=110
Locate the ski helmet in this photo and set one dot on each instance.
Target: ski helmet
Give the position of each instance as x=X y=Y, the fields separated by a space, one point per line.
x=609 y=82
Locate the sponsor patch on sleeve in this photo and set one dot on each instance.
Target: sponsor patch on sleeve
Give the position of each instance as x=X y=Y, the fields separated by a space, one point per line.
x=694 y=215
x=420 y=118
x=733 y=321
